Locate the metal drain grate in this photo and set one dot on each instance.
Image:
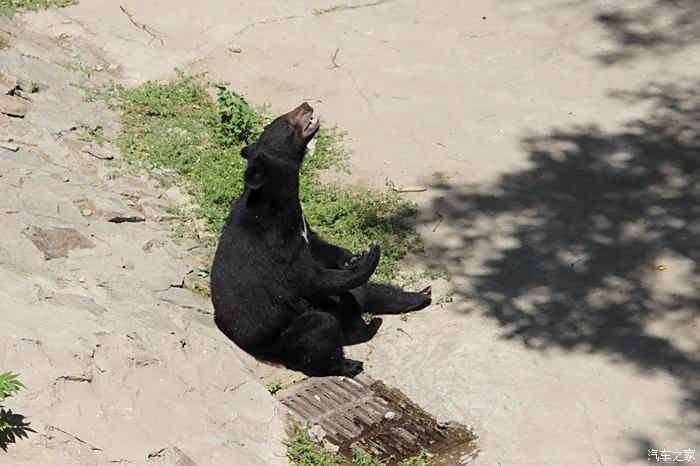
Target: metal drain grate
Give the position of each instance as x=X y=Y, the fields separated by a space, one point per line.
x=366 y=414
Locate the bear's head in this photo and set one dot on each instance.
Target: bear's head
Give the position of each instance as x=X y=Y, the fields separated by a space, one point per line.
x=282 y=143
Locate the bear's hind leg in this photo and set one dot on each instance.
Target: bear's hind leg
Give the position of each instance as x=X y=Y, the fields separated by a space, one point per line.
x=385 y=299
x=313 y=344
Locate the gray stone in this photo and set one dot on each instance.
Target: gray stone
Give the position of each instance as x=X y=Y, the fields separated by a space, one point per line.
x=186 y=299
x=156 y=213
x=170 y=456
x=98 y=152
x=56 y=242
x=114 y=211
x=13 y=106
x=9 y=146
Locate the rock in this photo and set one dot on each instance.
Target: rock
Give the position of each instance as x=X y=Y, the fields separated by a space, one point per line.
x=186 y=299
x=114 y=211
x=200 y=224
x=332 y=447
x=98 y=152
x=77 y=302
x=30 y=86
x=170 y=456
x=13 y=106
x=235 y=49
x=176 y=195
x=86 y=212
x=156 y=213
x=56 y=242
x=151 y=245
x=113 y=67
x=9 y=146
x=73 y=145
x=195 y=282
x=317 y=433
x=390 y=415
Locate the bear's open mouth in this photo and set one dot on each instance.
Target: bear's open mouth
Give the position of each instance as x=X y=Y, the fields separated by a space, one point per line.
x=311 y=127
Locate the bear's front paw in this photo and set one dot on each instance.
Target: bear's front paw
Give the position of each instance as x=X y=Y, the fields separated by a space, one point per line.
x=353 y=261
x=369 y=258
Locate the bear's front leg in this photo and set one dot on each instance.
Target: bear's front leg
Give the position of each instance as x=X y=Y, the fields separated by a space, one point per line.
x=318 y=282
x=328 y=255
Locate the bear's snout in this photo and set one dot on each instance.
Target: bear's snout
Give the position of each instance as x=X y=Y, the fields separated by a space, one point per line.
x=302 y=117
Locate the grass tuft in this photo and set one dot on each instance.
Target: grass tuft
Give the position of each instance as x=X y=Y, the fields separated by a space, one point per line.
x=10 y=7
x=303 y=451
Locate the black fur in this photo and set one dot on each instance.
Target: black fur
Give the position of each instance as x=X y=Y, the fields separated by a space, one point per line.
x=279 y=291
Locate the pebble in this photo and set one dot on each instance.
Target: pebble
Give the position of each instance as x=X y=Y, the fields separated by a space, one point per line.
x=390 y=415
x=9 y=146
x=235 y=49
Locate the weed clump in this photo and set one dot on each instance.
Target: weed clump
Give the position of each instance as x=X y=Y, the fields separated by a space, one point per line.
x=10 y=7
x=303 y=451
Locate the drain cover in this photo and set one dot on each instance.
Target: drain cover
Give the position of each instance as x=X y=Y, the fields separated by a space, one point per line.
x=366 y=414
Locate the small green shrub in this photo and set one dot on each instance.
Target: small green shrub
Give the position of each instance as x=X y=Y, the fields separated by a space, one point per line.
x=274 y=385
x=303 y=451
x=362 y=458
x=12 y=426
x=9 y=385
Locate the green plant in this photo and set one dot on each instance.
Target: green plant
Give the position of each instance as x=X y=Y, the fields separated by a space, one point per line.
x=447 y=297
x=424 y=458
x=12 y=426
x=274 y=385
x=90 y=133
x=303 y=451
x=363 y=458
x=10 y=7
x=238 y=122
x=4 y=42
x=9 y=384
x=87 y=70
x=204 y=270
x=176 y=125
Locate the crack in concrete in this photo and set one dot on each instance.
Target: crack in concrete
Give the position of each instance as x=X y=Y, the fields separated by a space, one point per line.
x=588 y=430
x=575 y=398
x=364 y=97
x=344 y=7
x=265 y=21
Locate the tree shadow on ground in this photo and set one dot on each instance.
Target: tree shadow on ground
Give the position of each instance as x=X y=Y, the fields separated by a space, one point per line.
x=595 y=247
x=650 y=26
x=14 y=427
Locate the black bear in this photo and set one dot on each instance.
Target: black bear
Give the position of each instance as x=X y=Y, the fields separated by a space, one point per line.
x=279 y=291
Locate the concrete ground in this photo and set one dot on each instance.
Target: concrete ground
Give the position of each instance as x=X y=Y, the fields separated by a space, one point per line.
x=559 y=145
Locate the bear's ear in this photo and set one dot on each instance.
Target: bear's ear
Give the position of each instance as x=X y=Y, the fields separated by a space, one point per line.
x=256 y=174
x=245 y=151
